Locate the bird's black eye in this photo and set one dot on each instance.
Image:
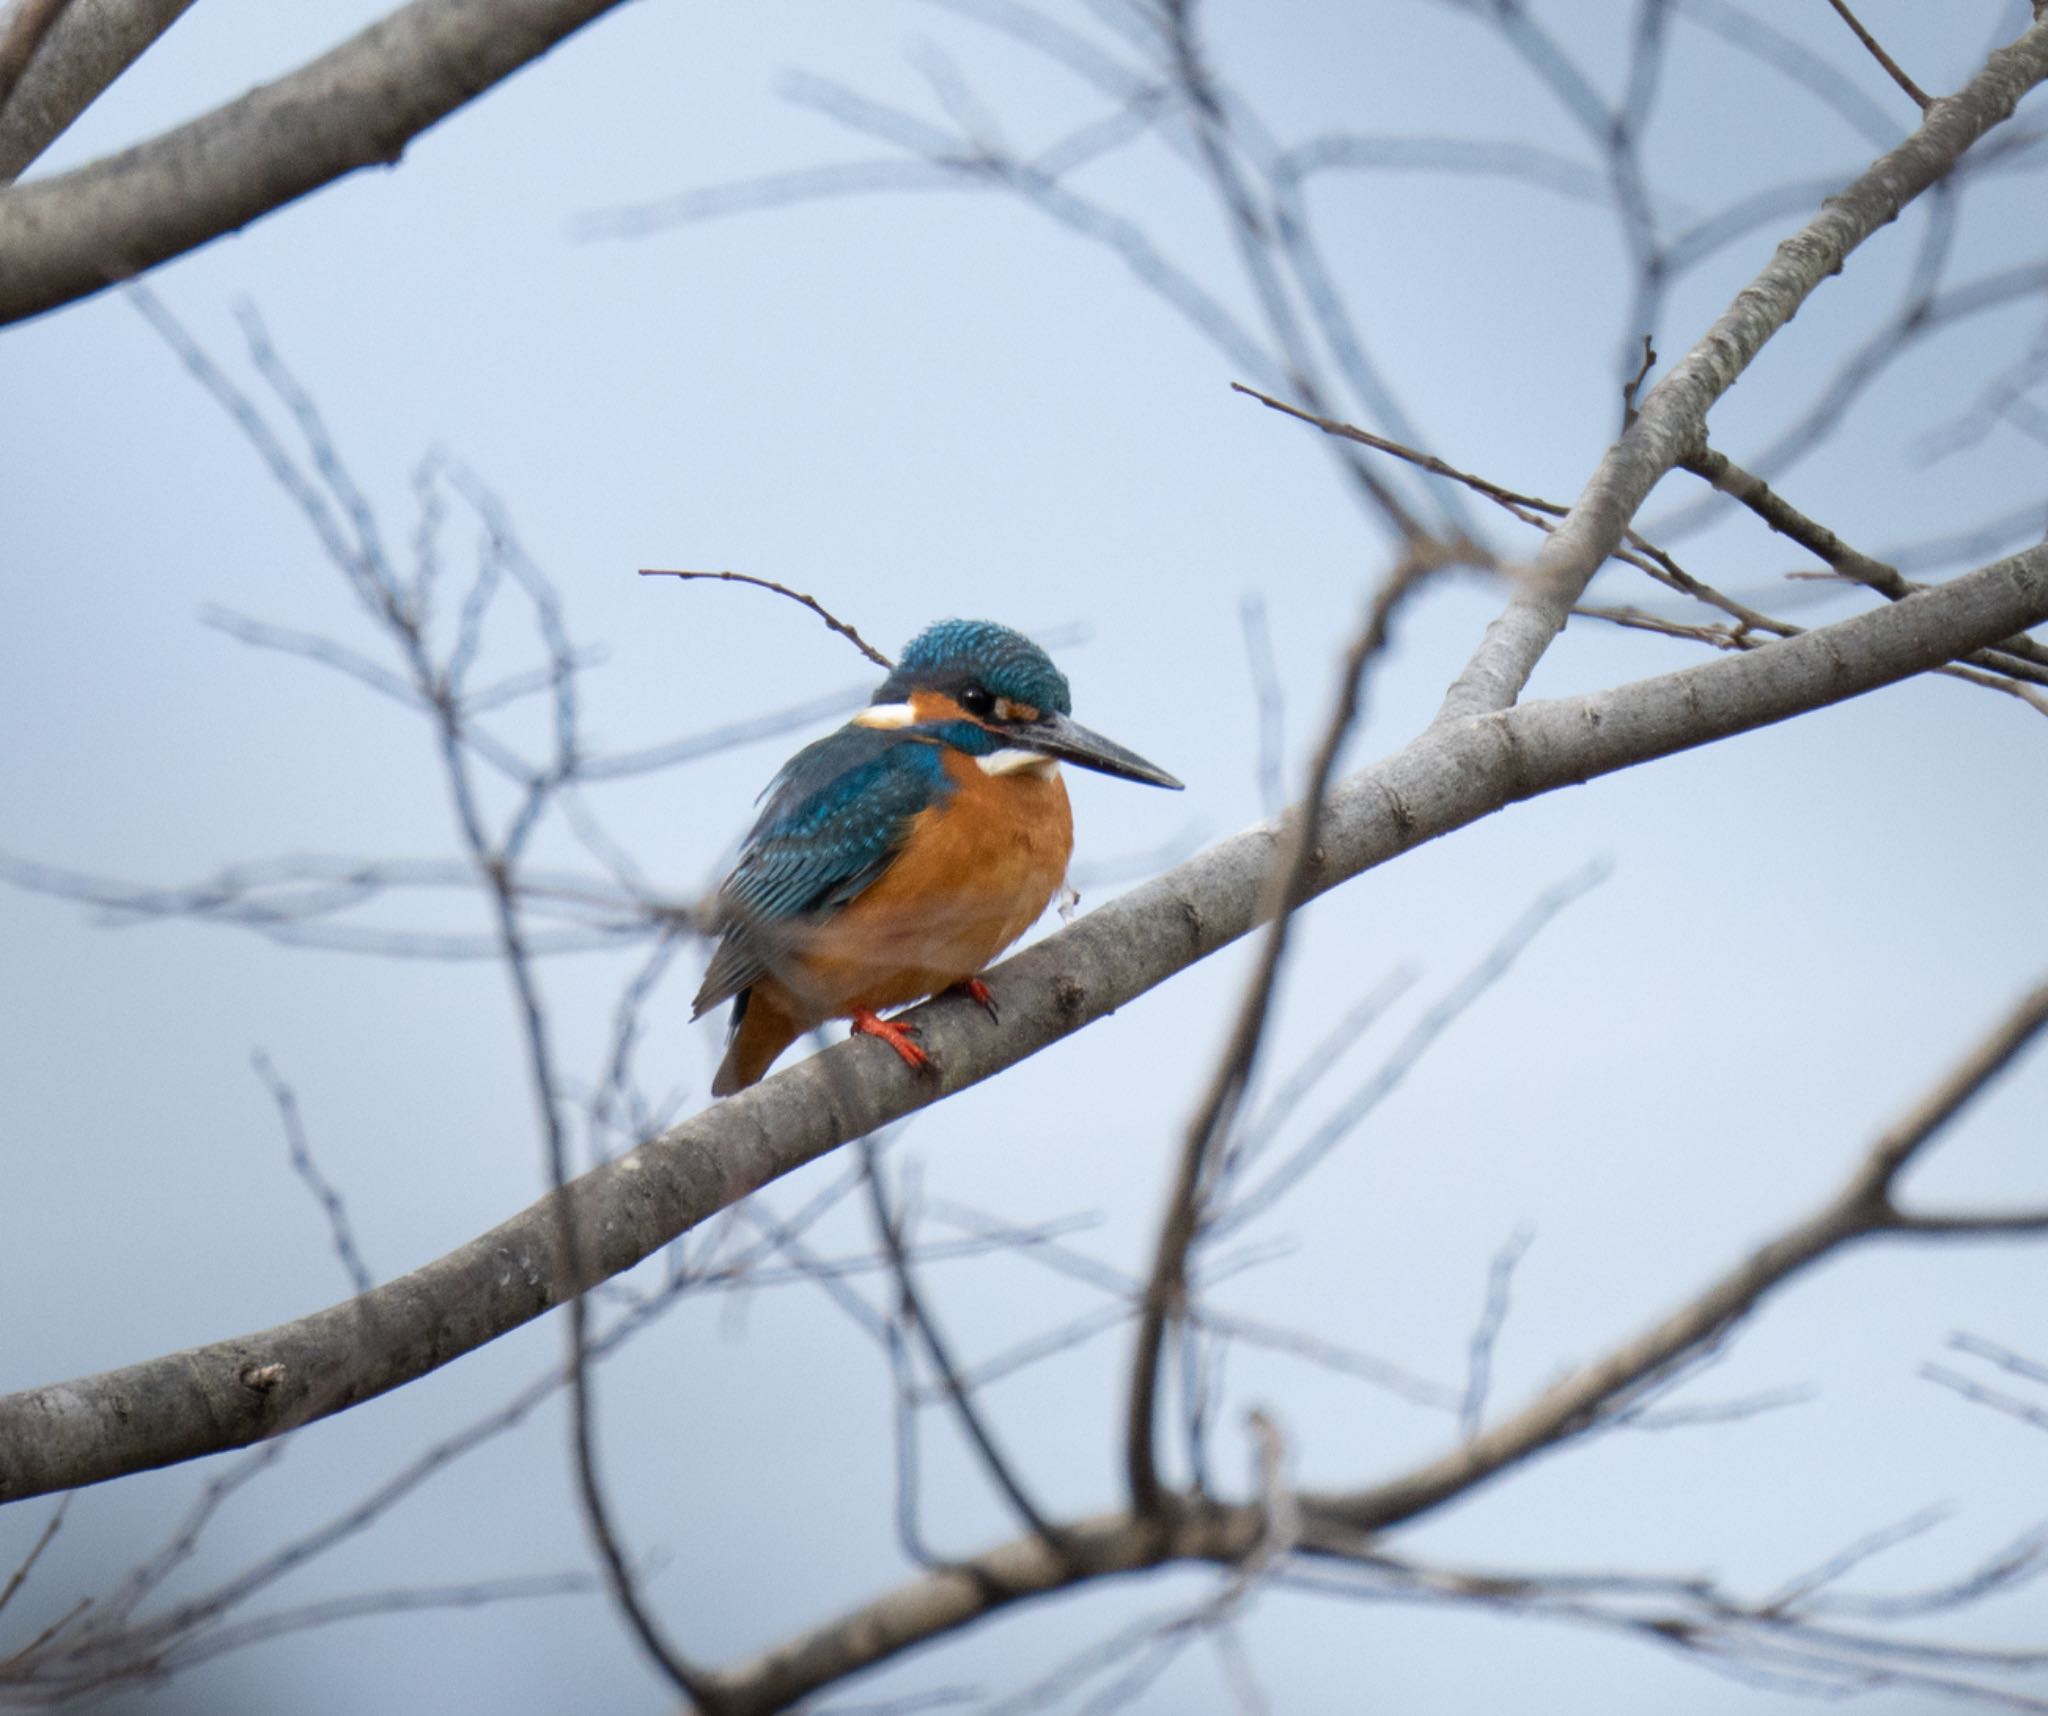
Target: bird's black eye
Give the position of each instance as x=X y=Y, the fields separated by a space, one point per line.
x=977 y=701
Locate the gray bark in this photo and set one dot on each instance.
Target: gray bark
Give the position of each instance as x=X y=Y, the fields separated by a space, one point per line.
x=1671 y=425
x=67 y=236
x=92 y=44
x=236 y=1392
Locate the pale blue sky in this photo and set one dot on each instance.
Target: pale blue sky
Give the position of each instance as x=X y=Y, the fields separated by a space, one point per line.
x=934 y=403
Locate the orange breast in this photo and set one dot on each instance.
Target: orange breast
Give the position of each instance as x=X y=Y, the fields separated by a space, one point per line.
x=975 y=873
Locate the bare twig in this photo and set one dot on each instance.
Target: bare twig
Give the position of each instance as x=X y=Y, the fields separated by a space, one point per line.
x=1423 y=461
x=1920 y=97
x=27 y=1564
x=1493 y=1318
x=2016 y=658
x=1671 y=419
x=118 y=1648
x=1648 y=1417
x=2028 y=1412
x=1846 y=562
x=1217 y=1113
x=1271 y=699
x=2014 y=1364
x=1802 y=1588
x=1634 y=384
x=838 y=625
x=436 y=672
x=1863 y=1208
x=1441 y=1014
x=1743 y=636
x=1216 y=150
x=307 y=1169
x=994 y=1461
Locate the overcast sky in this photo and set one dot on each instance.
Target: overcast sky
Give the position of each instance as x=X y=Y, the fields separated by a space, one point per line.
x=934 y=403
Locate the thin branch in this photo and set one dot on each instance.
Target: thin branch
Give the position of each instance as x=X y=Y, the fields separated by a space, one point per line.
x=2015 y=1364
x=1920 y=97
x=2018 y=1563
x=2016 y=658
x=1744 y=636
x=104 y=1653
x=1493 y=1318
x=412 y=1599
x=1256 y=1135
x=1216 y=1115
x=838 y=625
x=1250 y=231
x=994 y=1461
x=307 y=1169
x=1271 y=699
x=1423 y=461
x=1788 y=521
x=1803 y=1587
x=2012 y=1405
x=494 y=861
x=1863 y=1208
x=1671 y=421
x=1966 y=1081
x=1737 y=1411
x=1441 y=1014
x=27 y=1564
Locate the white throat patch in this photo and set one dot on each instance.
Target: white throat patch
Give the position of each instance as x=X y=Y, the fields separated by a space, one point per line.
x=886 y=715
x=1013 y=761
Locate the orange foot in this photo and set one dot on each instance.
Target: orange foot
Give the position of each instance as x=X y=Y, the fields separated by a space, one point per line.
x=901 y=1038
x=976 y=990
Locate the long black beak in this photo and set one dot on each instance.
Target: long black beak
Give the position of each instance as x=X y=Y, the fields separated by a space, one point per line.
x=1057 y=736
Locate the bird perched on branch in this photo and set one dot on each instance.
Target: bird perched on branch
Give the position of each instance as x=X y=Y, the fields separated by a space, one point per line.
x=898 y=856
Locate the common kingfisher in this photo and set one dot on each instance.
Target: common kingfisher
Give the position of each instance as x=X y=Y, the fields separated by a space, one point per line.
x=898 y=856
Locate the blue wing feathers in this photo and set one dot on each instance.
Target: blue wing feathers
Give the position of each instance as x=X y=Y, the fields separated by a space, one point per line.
x=835 y=818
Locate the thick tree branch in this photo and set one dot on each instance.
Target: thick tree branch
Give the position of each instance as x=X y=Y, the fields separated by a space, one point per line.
x=240 y=1391
x=1672 y=420
x=92 y=43
x=22 y=29
x=949 y=1598
x=358 y=105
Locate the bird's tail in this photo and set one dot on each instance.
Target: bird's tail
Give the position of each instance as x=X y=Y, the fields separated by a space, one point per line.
x=761 y=1029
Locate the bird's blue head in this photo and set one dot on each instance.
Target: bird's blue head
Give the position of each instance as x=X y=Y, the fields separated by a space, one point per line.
x=956 y=656
x=993 y=693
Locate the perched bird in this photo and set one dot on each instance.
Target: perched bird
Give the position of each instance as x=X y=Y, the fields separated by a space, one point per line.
x=898 y=856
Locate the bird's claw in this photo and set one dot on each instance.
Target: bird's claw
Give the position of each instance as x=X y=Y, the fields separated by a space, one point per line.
x=901 y=1038
x=976 y=990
